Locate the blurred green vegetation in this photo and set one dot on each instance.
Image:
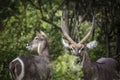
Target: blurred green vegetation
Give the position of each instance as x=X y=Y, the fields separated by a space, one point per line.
x=66 y=67
x=19 y=19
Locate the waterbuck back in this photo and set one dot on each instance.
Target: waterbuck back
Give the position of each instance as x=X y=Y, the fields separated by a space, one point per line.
x=106 y=69
x=33 y=67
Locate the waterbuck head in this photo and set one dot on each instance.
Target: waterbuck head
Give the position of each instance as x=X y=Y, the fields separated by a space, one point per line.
x=79 y=49
x=39 y=43
x=102 y=69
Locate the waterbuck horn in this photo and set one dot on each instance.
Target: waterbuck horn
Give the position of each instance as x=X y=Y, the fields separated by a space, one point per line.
x=89 y=33
x=65 y=31
x=68 y=38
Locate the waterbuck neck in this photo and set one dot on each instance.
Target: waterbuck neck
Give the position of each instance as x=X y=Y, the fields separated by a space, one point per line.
x=87 y=62
x=43 y=48
x=87 y=66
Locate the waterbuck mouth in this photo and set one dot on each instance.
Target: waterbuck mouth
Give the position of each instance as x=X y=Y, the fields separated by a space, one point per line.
x=28 y=47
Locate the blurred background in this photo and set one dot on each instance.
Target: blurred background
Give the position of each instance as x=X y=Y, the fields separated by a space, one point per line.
x=19 y=19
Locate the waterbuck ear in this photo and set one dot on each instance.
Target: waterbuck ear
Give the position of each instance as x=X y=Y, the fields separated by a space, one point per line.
x=66 y=43
x=42 y=33
x=37 y=33
x=92 y=44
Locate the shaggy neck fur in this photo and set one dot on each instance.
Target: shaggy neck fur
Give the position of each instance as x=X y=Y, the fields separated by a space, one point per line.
x=43 y=48
x=86 y=65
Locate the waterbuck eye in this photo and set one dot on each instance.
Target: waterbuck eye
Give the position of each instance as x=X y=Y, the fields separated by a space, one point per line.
x=36 y=38
x=72 y=48
x=82 y=48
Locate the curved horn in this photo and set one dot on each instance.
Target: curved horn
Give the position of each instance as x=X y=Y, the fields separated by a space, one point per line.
x=64 y=26
x=89 y=33
x=68 y=37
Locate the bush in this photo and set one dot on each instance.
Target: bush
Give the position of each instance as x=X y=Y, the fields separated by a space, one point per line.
x=65 y=68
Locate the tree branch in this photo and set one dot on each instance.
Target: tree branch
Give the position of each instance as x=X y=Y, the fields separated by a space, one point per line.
x=51 y=23
x=34 y=4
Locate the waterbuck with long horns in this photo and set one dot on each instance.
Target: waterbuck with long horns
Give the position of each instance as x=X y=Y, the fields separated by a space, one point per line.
x=102 y=69
x=32 y=67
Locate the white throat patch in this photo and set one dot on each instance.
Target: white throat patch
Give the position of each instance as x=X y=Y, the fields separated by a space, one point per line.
x=39 y=45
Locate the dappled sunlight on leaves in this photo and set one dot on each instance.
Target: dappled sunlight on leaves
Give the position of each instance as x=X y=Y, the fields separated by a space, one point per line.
x=65 y=68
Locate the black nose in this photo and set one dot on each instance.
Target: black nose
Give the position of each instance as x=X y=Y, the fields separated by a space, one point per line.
x=76 y=54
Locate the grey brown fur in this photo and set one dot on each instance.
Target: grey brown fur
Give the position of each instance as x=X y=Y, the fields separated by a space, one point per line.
x=102 y=69
x=35 y=67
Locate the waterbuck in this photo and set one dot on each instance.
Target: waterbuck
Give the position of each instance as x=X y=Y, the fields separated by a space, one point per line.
x=33 y=67
x=102 y=69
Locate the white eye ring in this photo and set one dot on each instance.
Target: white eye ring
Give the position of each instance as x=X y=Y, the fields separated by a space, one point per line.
x=71 y=48
x=36 y=38
x=81 y=49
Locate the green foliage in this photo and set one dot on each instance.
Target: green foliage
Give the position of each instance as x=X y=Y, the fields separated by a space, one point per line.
x=20 y=18
x=65 y=68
